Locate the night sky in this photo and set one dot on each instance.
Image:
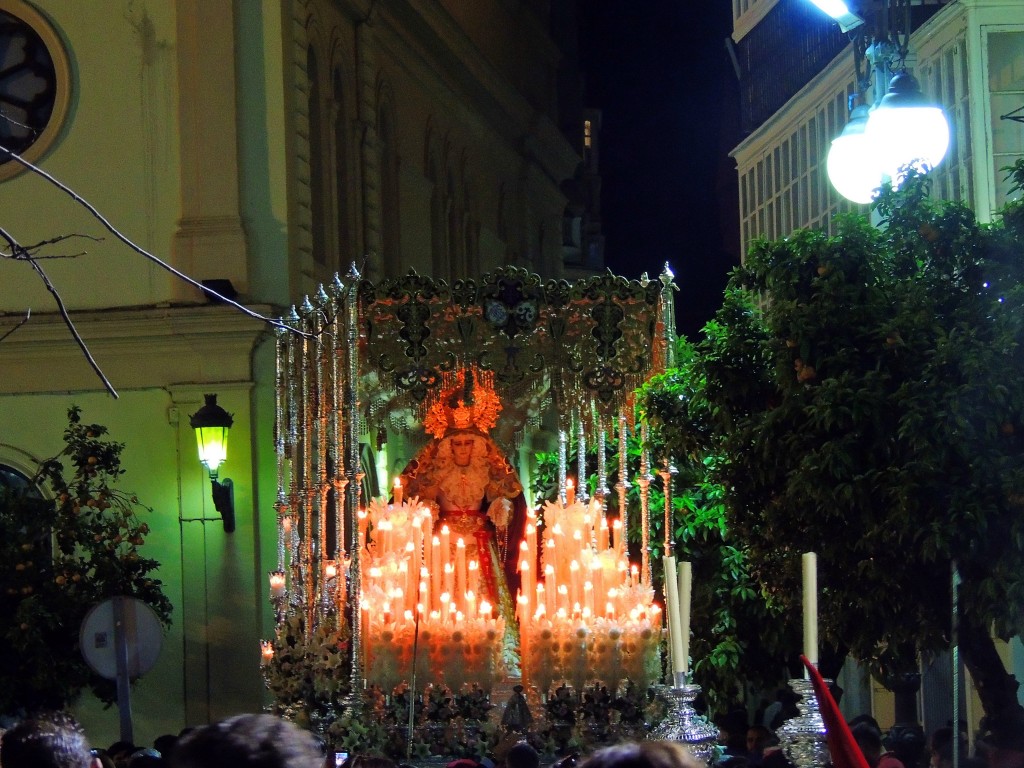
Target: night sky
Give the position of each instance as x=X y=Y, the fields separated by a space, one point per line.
x=660 y=73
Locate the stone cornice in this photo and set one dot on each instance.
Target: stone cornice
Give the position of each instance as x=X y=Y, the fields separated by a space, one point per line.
x=140 y=348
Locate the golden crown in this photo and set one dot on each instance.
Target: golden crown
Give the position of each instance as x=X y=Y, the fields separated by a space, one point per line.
x=468 y=402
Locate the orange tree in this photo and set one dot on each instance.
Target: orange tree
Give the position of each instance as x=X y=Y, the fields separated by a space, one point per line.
x=63 y=551
x=865 y=392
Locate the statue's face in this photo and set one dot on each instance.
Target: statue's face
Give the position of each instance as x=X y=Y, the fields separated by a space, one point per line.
x=462 y=449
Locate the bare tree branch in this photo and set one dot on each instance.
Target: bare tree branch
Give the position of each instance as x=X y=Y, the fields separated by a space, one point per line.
x=24 y=320
x=18 y=252
x=142 y=251
x=24 y=252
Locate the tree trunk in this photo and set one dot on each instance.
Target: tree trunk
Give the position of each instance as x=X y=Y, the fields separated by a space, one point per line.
x=997 y=689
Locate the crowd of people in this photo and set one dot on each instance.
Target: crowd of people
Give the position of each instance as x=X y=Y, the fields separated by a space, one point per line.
x=266 y=741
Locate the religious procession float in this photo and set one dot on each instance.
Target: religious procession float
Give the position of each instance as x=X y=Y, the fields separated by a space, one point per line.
x=408 y=607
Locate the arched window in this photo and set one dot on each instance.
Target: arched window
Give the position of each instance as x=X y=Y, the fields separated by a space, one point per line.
x=316 y=160
x=389 y=194
x=13 y=480
x=438 y=223
x=341 y=173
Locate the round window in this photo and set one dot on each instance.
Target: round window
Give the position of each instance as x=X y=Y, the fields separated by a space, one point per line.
x=34 y=84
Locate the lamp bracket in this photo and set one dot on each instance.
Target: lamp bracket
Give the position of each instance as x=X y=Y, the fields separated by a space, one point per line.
x=224 y=501
x=1017 y=115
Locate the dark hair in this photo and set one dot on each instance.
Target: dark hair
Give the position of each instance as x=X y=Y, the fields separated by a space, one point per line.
x=247 y=741
x=644 y=754
x=869 y=739
x=54 y=741
x=522 y=755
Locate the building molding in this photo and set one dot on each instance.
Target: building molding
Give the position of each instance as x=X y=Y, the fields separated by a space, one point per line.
x=136 y=349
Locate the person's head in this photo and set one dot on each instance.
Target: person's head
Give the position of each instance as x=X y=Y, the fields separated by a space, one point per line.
x=247 y=741
x=522 y=755
x=644 y=754
x=165 y=744
x=869 y=739
x=146 y=758
x=462 y=445
x=55 y=741
x=757 y=739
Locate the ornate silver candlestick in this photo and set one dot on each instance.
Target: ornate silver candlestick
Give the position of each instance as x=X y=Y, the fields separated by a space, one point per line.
x=683 y=724
x=803 y=736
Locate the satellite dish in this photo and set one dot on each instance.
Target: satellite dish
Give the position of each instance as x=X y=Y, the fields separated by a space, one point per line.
x=121 y=622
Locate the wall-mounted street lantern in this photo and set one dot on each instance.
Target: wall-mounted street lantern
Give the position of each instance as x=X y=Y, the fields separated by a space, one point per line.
x=211 y=423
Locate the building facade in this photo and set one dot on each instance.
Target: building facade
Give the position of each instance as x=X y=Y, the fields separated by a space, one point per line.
x=261 y=146
x=797 y=74
x=966 y=54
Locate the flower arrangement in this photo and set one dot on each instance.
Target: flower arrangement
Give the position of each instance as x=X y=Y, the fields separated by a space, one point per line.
x=307 y=672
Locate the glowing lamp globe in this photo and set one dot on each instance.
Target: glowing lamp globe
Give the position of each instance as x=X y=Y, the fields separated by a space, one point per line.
x=852 y=163
x=211 y=423
x=907 y=130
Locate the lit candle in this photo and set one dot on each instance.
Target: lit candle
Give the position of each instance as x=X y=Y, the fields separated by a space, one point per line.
x=563 y=598
x=384 y=527
x=485 y=609
x=330 y=570
x=405 y=573
x=417 y=539
x=471 y=602
x=449 y=578
x=602 y=534
x=277 y=587
x=570 y=492
x=588 y=598
x=436 y=569
x=446 y=544
x=531 y=540
x=397 y=493
x=810 y=568
x=685 y=590
x=266 y=652
x=474 y=576
x=609 y=609
x=574 y=581
x=617 y=535
x=461 y=582
x=527 y=578
x=446 y=605
x=550 y=591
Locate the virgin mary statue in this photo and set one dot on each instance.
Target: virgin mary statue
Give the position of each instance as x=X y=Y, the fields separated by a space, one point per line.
x=464 y=477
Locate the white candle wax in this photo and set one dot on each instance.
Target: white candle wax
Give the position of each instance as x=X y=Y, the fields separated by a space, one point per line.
x=672 y=609
x=810 y=569
x=461 y=580
x=685 y=590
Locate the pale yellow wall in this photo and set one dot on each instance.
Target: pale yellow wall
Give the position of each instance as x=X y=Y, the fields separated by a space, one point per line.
x=118 y=149
x=207 y=574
